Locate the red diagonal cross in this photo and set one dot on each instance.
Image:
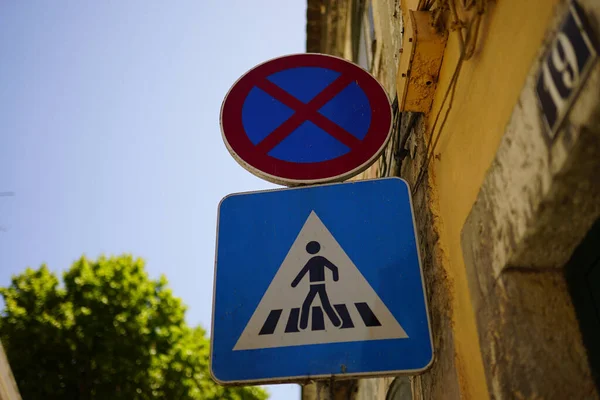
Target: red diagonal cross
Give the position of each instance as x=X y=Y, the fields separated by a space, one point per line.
x=306 y=112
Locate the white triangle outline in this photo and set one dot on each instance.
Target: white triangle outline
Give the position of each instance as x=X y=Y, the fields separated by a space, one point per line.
x=351 y=288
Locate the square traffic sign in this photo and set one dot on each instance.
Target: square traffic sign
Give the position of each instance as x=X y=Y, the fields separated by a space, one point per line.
x=318 y=281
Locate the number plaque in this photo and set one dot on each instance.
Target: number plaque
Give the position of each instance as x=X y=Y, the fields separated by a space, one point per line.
x=564 y=68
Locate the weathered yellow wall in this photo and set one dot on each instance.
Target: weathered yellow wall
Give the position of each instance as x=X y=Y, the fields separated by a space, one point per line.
x=488 y=88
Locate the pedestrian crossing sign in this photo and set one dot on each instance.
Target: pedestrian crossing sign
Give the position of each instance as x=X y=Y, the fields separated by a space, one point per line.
x=318 y=281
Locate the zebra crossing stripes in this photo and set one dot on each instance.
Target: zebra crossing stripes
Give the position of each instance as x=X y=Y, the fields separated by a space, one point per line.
x=317 y=321
x=367 y=315
x=344 y=315
x=271 y=322
x=292 y=323
x=318 y=324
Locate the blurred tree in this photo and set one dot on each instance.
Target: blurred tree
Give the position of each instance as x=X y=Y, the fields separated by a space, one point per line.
x=110 y=332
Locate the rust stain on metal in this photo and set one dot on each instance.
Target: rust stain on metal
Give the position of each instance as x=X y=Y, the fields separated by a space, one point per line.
x=420 y=61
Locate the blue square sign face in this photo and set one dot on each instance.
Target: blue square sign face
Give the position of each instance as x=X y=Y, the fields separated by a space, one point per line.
x=318 y=281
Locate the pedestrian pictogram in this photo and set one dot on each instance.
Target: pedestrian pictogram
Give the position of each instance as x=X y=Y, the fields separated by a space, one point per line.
x=311 y=279
x=306 y=118
x=341 y=304
x=315 y=267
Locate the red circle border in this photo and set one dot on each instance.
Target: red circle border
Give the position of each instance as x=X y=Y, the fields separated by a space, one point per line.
x=289 y=173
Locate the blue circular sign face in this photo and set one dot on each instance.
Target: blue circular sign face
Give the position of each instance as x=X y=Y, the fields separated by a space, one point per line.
x=306 y=118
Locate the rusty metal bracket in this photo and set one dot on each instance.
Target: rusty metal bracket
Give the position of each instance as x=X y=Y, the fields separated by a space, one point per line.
x=420 y=61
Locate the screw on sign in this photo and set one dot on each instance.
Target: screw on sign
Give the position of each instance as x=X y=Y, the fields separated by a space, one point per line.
x=306 y=119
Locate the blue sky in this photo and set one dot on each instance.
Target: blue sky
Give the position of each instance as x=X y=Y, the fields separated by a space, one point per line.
x=109 y=131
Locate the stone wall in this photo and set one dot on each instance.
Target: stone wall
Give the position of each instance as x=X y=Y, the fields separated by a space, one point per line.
x=538 y=201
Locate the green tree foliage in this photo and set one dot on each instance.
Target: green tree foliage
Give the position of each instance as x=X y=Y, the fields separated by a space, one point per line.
x=108 y=332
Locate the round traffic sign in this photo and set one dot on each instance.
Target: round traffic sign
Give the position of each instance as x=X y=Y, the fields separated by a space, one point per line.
x=306 y=119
